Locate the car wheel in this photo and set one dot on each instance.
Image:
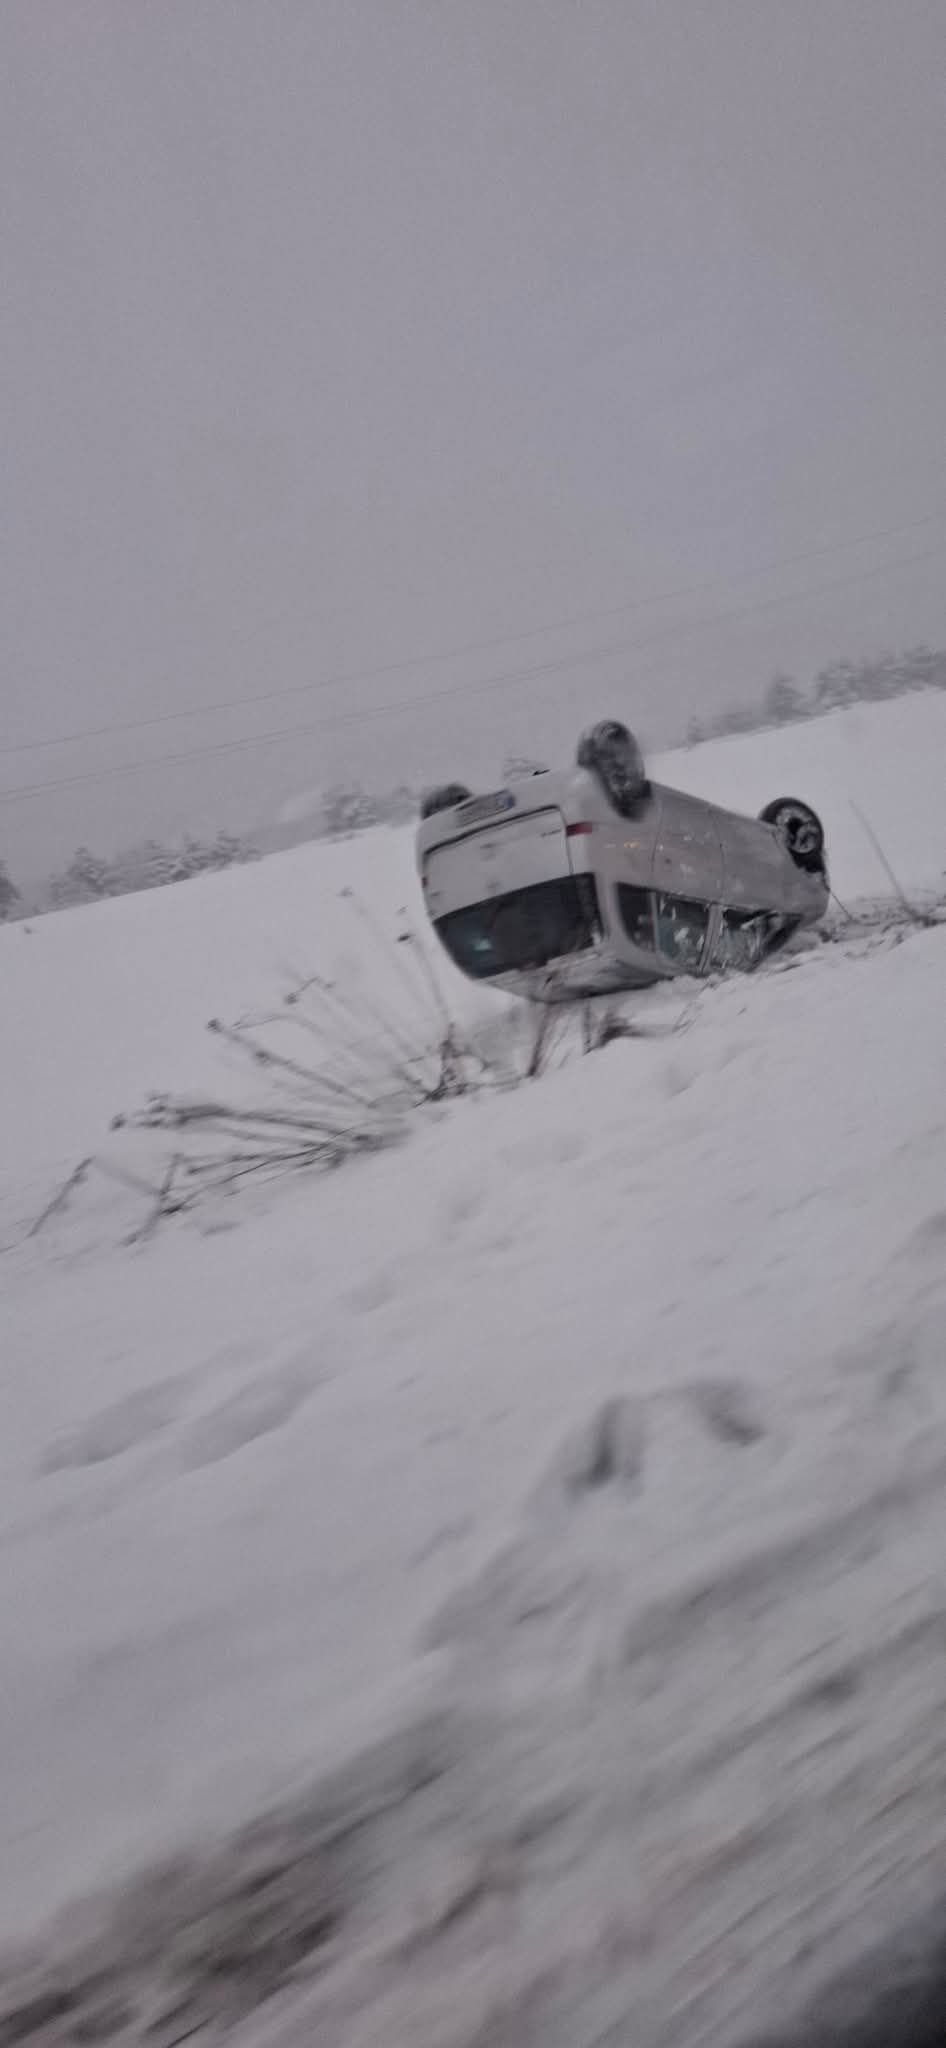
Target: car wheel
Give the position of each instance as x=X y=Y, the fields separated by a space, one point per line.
x=800 y=829
x=613 y=755
x=443 y=799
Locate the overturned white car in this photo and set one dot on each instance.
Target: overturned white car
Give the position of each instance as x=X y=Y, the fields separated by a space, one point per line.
x=577 y=882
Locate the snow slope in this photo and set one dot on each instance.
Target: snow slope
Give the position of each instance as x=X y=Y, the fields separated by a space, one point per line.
x=100 y=1006
x=542 y=1522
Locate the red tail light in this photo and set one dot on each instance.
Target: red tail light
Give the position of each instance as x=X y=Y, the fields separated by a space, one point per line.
x=577 y=831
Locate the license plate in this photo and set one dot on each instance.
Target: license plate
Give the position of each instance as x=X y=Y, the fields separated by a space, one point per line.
x=483 y=807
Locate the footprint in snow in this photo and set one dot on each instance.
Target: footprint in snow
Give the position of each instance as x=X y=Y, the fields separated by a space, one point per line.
x=546 y=1148
x=462 y=1203
x=121 y=1427
x=927 y=1242
x=264 y=1404
x=727 y=1410
x=606 y=1450
x=372 y=1292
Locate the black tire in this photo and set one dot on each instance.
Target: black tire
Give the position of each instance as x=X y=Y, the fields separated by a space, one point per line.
x=444 y=799
x=612 y=754
x=800 y=830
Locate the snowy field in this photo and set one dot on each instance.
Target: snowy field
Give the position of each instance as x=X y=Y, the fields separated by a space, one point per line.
x=505 y=1575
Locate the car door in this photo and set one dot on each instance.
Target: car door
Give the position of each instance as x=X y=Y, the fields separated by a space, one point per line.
x=756 y=870
x=688 y=857
x=688 y=876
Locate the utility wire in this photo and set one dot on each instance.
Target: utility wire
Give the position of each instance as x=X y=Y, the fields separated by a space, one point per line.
x=224 y=704
x=514 y=678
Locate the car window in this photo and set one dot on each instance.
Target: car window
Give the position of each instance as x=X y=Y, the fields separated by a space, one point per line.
x=636 y=907
x=743 y=937
x=524 y=929
x=681 y=929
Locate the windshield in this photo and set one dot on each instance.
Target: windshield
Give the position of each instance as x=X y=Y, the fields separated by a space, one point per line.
x=528 y=928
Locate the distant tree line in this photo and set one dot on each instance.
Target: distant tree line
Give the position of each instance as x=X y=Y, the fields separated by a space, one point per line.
x=90 y=877
x=839 y=685
x=347 y=808
x=9 y=896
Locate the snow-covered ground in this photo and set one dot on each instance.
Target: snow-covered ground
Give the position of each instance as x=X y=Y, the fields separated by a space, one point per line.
x=531 y=1537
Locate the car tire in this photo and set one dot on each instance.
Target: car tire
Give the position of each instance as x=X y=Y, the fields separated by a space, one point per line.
x=611 y=753
x=800 y=830
x=445 y=798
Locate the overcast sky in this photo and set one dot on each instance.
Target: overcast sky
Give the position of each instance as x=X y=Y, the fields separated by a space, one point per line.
x=347 y=335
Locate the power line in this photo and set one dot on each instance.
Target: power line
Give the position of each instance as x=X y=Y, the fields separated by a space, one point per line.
x=420 y=661
x=513 y=678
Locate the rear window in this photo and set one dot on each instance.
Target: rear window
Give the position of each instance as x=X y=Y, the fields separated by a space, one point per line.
x=528 y=928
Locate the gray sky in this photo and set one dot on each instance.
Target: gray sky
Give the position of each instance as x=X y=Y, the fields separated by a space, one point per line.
x=345 y=333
